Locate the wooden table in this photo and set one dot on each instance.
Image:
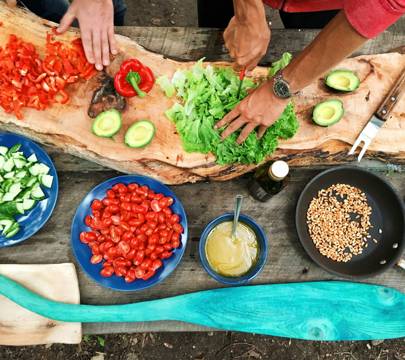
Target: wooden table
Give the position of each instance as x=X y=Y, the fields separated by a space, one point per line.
x=287 y=260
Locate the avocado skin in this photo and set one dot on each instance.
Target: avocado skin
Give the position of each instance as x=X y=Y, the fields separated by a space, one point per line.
x=336 y=119
x=353 y=79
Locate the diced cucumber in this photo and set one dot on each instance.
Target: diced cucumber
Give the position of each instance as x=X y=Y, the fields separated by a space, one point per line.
x=3 y=150
x=28 y=204
x=14 y=229
x=46 y=180
x=7 y=224
x=8 y=197
x=32 y=158
x=2 y=162
x=34 y=170
x=31 y=182
x=21 y=174
x=20 y=208
x=8 y=165
x=14 y=148
x=9 y=175
x=43 y=169
x=19 y=163
x=24 y=194
x=15 y=189
x=37 y=193
x=7 y=184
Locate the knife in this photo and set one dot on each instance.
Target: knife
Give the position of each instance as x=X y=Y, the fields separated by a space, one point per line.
x=242 y=74
x=379 y=117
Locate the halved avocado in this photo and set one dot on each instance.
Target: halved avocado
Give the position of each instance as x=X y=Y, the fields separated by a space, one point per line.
x=140 y=134
x=107 y=123
x=328 y=112
x=342 y=80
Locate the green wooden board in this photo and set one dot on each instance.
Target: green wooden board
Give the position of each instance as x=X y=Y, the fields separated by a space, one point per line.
x=329 y=310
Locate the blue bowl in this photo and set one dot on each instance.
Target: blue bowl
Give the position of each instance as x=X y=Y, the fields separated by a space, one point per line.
x=83 y=253
x=263 y=249
x=33 y=220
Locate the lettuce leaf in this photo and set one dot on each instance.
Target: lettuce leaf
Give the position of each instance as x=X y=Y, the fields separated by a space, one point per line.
x=206 y=94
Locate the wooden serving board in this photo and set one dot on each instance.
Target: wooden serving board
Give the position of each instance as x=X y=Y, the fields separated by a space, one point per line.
x=19 y=326
x=68 y=127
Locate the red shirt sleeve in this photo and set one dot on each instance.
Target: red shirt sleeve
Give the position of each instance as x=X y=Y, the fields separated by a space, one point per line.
x=371 y=17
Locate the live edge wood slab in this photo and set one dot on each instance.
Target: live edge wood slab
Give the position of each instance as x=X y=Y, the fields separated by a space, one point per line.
x=68 y=127
x=287 y=261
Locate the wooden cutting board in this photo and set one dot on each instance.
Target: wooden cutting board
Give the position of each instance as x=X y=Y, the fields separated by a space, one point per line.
x=19 y=326
x=68 y=127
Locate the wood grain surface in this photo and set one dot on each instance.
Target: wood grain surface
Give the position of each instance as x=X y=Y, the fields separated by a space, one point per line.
x=328 y=310
x=287 y=260
x=19 y=326
x=68 y=126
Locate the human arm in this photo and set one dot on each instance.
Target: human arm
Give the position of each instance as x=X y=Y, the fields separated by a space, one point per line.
x=247 y=35
x=96 y=21
x=262 y=107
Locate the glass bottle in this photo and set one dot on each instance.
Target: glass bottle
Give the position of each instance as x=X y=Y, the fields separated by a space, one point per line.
x=268 y=180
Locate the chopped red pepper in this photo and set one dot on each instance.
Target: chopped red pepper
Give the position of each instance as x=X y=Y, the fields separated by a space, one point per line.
x=133 y=78
x=28 y=81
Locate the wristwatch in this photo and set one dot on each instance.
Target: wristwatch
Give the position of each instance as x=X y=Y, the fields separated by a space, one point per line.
x=281 y=87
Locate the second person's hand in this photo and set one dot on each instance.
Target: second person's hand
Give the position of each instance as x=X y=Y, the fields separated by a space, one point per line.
x=96 y=21
x=261 y=109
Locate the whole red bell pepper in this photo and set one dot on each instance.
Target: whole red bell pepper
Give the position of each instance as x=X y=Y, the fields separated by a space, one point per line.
x=133 y=78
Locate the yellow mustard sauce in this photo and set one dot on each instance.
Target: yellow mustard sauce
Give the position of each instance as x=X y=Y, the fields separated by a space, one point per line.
x=231 y=257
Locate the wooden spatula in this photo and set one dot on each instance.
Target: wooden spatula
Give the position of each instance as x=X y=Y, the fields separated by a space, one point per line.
x=313 y=310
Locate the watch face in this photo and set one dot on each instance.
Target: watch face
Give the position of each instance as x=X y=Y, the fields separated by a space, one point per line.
x=281 y=88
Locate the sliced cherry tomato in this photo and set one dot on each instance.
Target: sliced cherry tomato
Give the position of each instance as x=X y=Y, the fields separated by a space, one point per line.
x=107 y=271
x=95 y=259
x=155 y=206
x=178 y=228
x=156 y=264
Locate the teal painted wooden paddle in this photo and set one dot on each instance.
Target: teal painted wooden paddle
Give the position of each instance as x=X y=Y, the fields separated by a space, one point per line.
x=329 y=310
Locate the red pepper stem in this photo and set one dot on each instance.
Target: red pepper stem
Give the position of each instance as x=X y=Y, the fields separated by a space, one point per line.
x=134 y=79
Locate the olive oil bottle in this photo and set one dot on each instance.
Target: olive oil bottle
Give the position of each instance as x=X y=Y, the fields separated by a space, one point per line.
x=268 y=180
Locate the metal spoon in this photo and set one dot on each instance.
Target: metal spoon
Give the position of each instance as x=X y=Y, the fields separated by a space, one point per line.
x=236 y=212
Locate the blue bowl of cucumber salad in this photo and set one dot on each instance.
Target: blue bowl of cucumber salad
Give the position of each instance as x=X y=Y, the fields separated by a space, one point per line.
x=28 y=188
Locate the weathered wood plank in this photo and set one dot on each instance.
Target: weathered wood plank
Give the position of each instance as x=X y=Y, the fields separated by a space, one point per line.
x=194 y=43
x=287 y=260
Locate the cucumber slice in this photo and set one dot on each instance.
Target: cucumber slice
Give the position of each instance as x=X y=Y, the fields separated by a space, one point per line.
x=20 y=208
x=19 y=163
x=107 y=123
x=37 y=193
x=3 y=150
x=15 y=189
x=140 y=134
x=24 y=194
x=8 y=197
x=8 y=165
x=46 y=180
x=28 y=204
x=32 y=158
x=14 y=148
x=14 y=229
x=9 y=175
x=7 y=224
x=2 y=162
x=7 y=184
x=31 y=182
x=43 y=169
x=21 y=174
x=34 y=170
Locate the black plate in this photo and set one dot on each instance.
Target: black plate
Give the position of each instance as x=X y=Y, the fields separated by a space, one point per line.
x=387 y=214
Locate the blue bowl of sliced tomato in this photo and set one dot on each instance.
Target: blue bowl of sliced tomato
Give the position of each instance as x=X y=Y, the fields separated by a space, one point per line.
x=129 y=233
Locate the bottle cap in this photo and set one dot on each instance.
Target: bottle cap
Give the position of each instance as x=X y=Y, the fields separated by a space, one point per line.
x=279 y=170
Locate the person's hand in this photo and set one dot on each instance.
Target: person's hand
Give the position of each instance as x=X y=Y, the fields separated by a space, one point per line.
x=96 y=21
x=11 y=2
x=259 y=109
x=247 y=41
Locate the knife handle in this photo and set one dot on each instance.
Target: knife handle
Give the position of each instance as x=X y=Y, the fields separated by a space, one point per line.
x=385 y=109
